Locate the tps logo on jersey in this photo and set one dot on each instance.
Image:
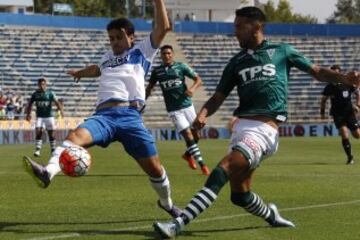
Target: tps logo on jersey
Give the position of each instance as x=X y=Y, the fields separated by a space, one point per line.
x=171 y=83
x=258 y=72
x=43 y=103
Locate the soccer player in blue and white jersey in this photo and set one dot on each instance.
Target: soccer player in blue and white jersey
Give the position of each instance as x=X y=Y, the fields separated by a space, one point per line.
x=121 y=95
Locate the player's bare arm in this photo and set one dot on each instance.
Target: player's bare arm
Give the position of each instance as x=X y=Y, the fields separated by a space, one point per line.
x=60 y=107
x=90 y=71
x=327 y=75
x=209 y=108
x=322 y=106
x=197 y=83
x=162 y=25
x=28 y=111
x=148 y=90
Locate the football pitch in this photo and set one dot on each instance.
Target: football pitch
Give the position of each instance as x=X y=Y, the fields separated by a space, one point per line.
x=307 y=179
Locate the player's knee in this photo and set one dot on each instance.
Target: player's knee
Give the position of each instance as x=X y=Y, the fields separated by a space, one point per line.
x=241 y=199
x=80 y=137
x=38 y=135
x=71 y=136
x=75 y=138
x=356 y=134
x=238 y=161
x=186 y=133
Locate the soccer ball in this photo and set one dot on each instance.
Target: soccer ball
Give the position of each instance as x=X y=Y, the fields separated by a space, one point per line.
x=75 y=161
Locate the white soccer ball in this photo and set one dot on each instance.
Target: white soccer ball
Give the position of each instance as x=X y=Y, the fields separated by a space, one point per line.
x=75 y=161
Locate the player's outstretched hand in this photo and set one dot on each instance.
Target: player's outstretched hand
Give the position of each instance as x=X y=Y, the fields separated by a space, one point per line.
x=74 y=74
x=199 y=123
x=353 y=78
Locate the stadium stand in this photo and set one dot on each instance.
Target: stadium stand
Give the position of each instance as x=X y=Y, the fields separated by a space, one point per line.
x=32 y=52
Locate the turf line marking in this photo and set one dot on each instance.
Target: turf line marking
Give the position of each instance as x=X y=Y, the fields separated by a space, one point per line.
x=72 y=235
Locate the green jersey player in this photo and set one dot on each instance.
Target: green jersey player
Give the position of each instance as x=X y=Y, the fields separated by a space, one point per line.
x=43 y=99
x=260 y=73
x=171 y=78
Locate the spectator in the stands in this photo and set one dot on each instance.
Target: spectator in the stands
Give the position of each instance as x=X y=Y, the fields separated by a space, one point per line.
x=3 y=101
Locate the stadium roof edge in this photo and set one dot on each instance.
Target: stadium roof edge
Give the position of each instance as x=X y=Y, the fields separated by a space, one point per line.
x=179 y=27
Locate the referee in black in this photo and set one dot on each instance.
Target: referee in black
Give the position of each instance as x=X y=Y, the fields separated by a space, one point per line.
x=343 y=111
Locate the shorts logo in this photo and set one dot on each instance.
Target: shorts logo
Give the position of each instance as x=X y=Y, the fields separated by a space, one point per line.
x=250 y=143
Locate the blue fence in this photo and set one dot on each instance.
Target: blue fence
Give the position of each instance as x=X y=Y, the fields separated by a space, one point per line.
x=186 y=27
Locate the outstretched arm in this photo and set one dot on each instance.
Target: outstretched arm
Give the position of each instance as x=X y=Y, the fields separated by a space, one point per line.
x=162 y=25
x=327 y=75
x=90 y=71
x=209 y=108
x=322 y=106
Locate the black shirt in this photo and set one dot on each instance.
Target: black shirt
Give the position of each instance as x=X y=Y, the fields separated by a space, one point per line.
x=340 y=95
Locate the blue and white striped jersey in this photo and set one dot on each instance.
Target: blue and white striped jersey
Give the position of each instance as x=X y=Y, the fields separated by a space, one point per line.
x=123 y=76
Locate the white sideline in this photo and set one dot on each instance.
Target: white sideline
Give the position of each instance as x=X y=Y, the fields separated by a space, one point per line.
x=72 y=235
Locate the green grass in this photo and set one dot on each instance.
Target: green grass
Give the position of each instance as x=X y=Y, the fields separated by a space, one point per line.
x=115 y=200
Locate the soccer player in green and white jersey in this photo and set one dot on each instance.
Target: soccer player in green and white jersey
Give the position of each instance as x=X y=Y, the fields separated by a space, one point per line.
x=171 y=78
x=43 y=99
x=260 y=72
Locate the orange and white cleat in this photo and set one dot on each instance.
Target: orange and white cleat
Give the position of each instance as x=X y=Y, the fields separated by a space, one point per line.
x=190 y=160
x=205 y=170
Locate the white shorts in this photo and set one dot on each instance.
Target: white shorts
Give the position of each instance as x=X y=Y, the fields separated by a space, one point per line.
x=47 y=123
x=183 y=118
x=256 y=140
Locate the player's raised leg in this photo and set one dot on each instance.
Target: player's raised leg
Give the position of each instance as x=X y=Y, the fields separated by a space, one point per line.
x=44 y=174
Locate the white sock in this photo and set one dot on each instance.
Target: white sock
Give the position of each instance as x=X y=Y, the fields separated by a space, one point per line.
x=162 y=187
x=53 y=166
x=38 y=144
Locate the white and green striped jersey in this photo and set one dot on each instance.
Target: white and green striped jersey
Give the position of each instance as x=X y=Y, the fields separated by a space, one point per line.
x=261 y=78
x=43 y=102
x=172 y=83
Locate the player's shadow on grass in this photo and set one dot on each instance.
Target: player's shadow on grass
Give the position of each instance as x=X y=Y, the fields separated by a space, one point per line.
x=145 y=231
x=16 y=227
x=207 y=232
x=108 y=175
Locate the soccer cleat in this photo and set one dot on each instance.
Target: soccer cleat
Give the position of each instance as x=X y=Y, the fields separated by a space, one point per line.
x=205 y=170
x=37 y=172
x=174 y=211
x=190 y=160
x=167 y=229
x=350 y=160
x=37 y=153
x=279 y=221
